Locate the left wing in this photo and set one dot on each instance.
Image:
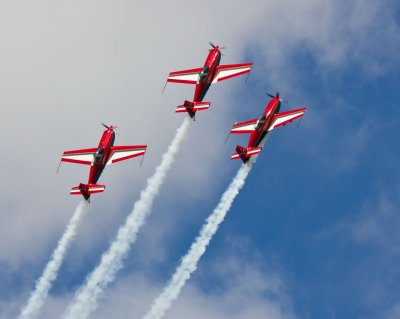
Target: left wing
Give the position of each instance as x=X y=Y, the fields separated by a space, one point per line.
x=283 y=118
x=244 y=127
x=84 y=156
x=120 y=153
x=228 y=71
x=185 y=76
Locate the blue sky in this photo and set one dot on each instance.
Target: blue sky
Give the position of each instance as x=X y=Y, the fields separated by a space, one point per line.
x=313 y=233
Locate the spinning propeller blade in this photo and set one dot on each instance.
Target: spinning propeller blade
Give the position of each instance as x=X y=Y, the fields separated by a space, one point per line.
x=215 y=46
x=277 y=94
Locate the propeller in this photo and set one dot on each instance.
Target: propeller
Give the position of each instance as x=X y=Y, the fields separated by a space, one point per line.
x=277 y=94
x=269 y=94
x=216 y=46
x=108 y=127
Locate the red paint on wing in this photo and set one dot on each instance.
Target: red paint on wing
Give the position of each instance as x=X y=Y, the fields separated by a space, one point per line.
x=80 y=152
x=75 y=161
x=128 y=157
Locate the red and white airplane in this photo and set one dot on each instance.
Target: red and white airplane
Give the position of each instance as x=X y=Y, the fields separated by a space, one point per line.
x=260 y=128
x=98 y=158
x=203 y=77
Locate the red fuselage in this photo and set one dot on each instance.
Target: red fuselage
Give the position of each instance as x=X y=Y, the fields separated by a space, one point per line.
x=102 y=155
x=264 y=122
x=207 y=74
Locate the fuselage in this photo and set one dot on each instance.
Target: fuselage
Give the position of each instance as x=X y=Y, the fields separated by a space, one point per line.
x=102 y=155
x=264 y=122
x=207 y=74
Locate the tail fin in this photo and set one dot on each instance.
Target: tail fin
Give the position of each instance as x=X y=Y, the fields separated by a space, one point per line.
x=86 y=189
x=192 y=107
x=245 y=153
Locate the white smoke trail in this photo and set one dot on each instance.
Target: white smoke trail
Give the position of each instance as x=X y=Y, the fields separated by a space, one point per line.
x=44 y=283
x=190 y=260
x=85 y=299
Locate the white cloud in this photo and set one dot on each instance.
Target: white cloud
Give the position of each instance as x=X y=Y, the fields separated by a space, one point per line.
x=371 y=237
x=378 y=223
x=394 y=312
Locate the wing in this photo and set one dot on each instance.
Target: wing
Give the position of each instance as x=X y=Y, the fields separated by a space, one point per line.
x=283 y=118
x=121 y=153
x=185 y=76
x=84 y=156
x=244 y=127
x=228 y=71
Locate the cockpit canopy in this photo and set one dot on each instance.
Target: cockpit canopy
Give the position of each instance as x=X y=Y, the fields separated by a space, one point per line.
x=261 y=121
x=203 y=74
x=98 y=155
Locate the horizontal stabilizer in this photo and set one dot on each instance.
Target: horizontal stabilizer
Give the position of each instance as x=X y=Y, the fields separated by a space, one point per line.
x=235 y=156
x=198 y=106
x=245 y=153
x=87 y=189
x=192 y=107
x=253 y=151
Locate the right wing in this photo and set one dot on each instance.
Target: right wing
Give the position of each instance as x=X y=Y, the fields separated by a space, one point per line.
x=224 y=72
x=84 y=156
x=185 y=76
x=121 y=153
x=244 y=127
x=283 y=118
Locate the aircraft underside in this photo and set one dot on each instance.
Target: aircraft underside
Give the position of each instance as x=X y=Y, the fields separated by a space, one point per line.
x=261 y=138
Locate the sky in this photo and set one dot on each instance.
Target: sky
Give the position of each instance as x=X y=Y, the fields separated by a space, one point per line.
x=314 y=231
